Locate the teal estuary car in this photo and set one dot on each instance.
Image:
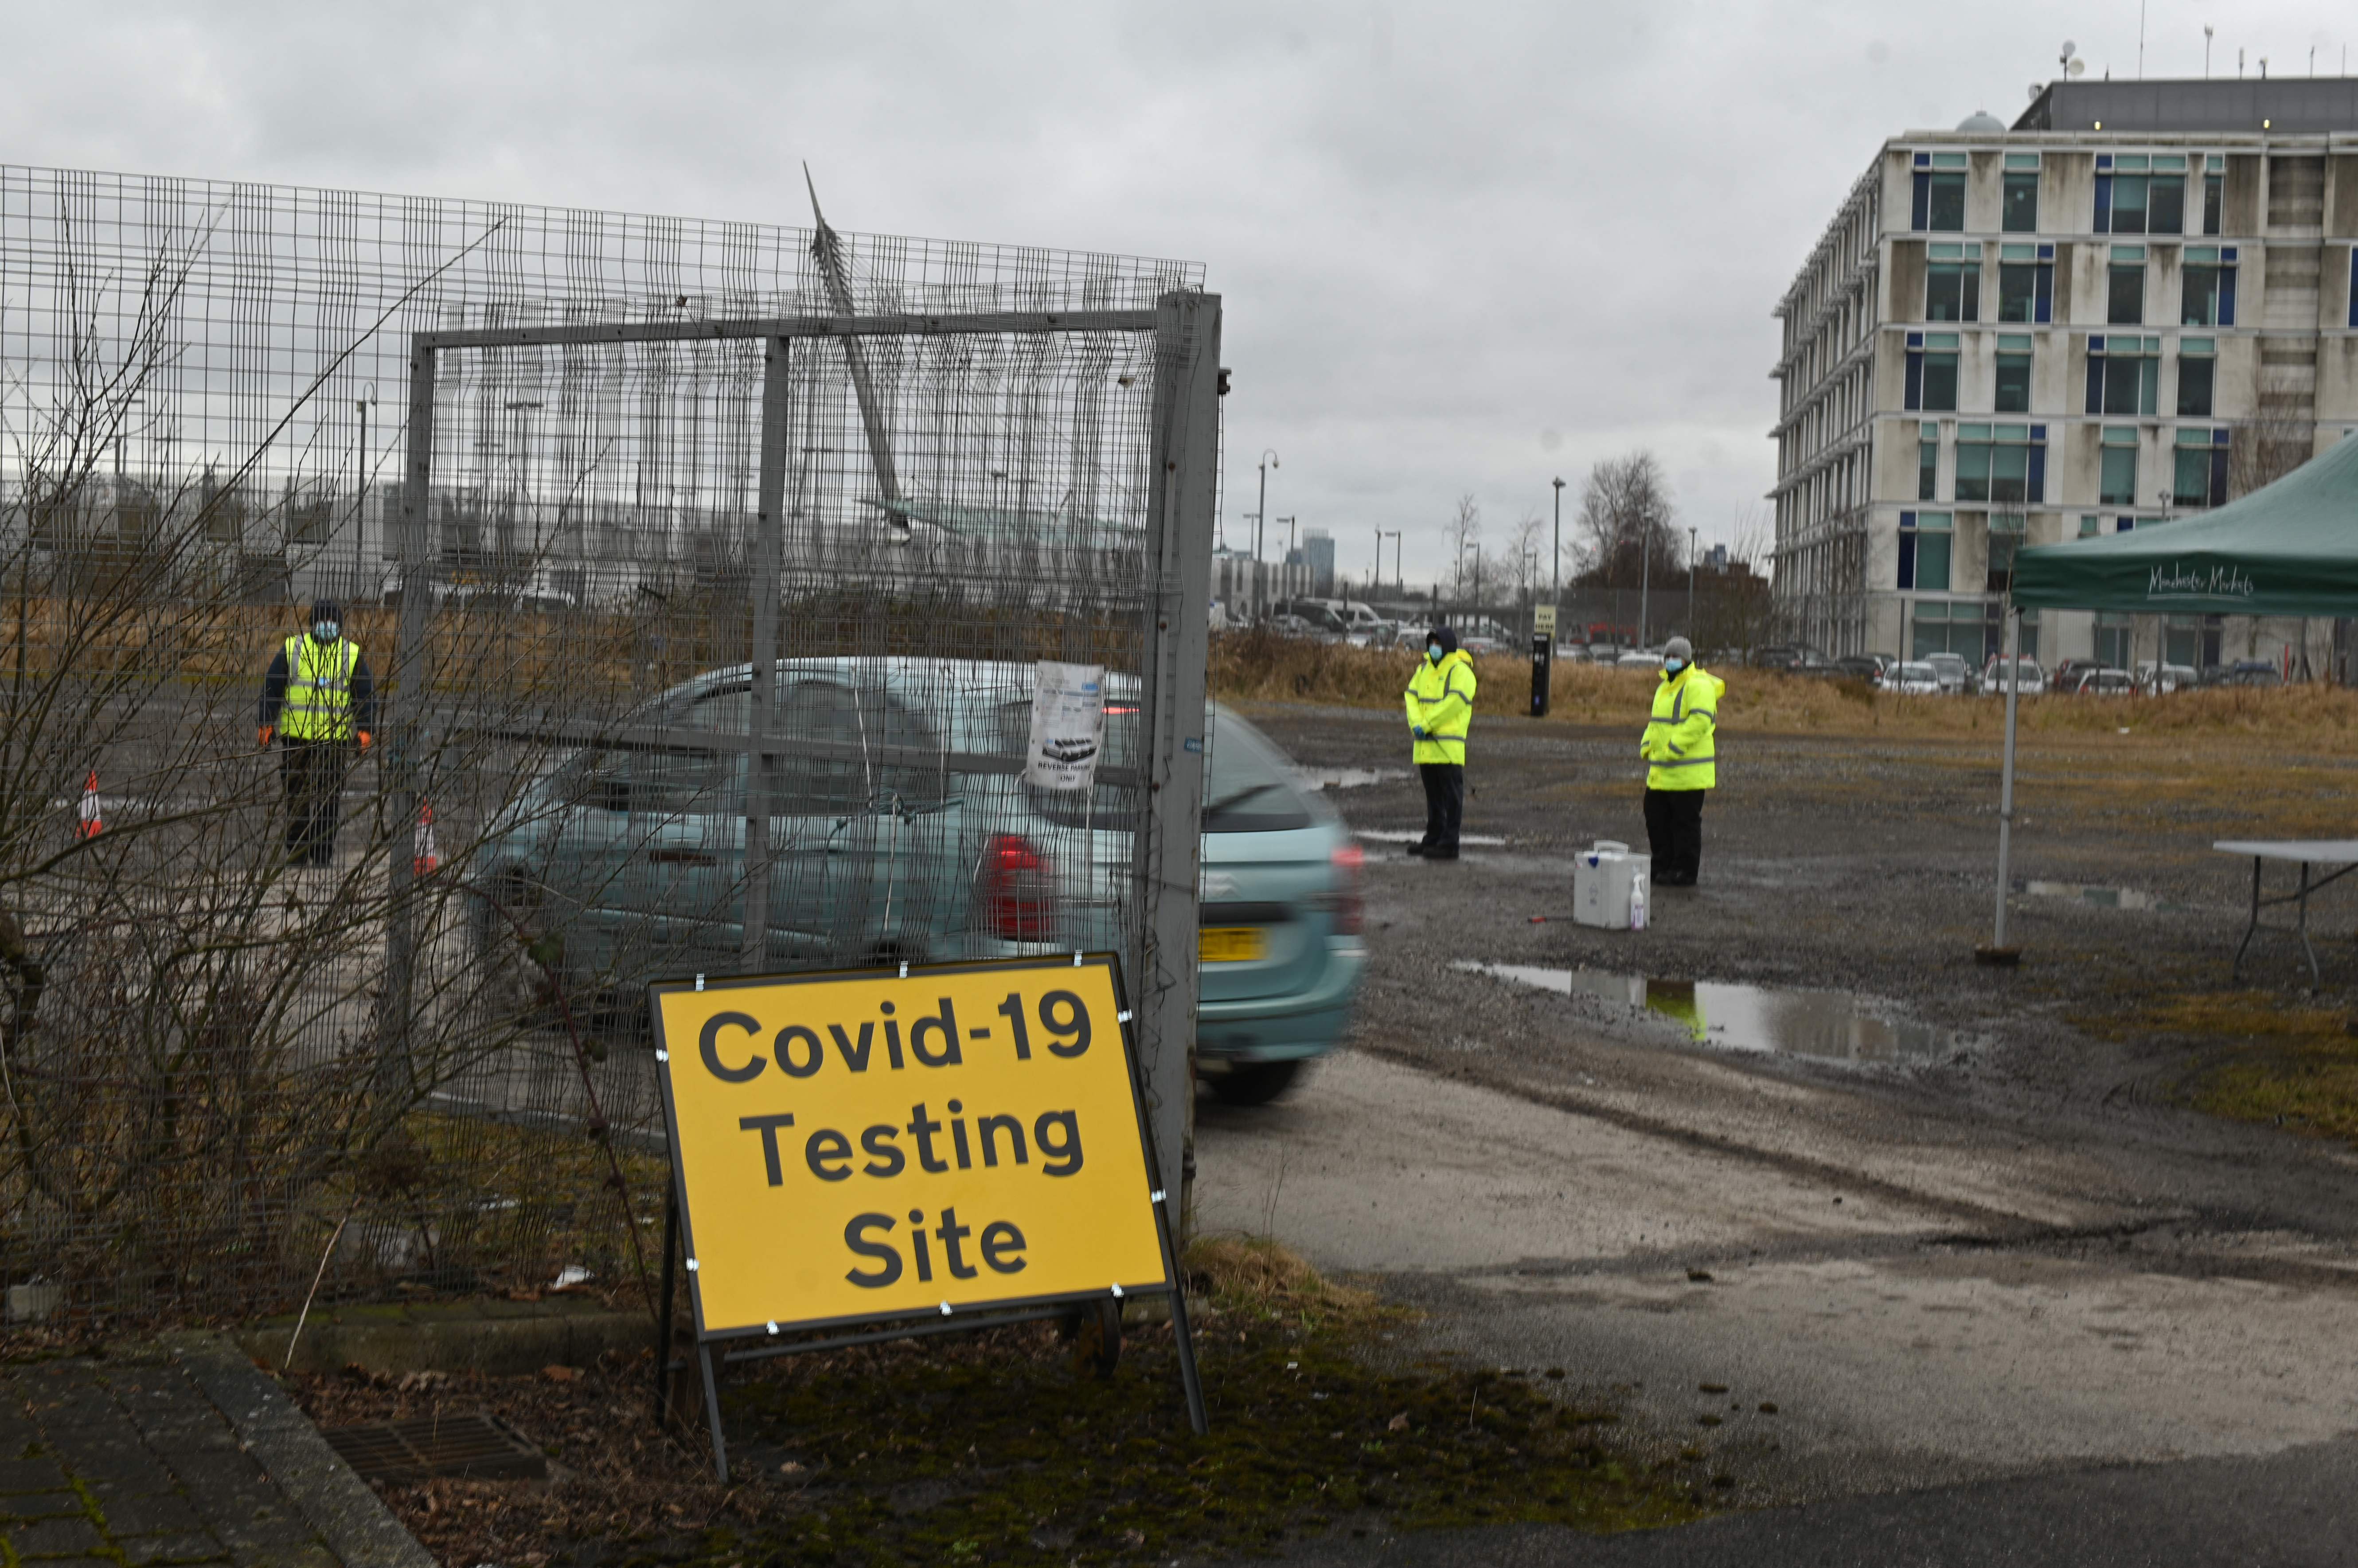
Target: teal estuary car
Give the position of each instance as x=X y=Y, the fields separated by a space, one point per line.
x=901 y=827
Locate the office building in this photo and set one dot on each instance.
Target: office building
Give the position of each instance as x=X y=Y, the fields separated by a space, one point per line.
x=2134 y=303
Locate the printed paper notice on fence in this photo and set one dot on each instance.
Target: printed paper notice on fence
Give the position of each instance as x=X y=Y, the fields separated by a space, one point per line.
x=1068 y=726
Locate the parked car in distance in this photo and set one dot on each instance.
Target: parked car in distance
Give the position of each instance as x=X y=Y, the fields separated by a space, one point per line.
x=1860 y=666
x=2068 y=673
x=633 y=858
x=1319 y=614
x=1912 y=678
x=2028 y=680
x=1297 y=627
x=1777 y=656
x=2107 y=682
x=1956 y=675
x=2248 y=672
x=2160 y=680
x=1638 y=659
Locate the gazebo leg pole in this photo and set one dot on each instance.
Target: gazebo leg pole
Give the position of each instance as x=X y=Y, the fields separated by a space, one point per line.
x=1997 y=952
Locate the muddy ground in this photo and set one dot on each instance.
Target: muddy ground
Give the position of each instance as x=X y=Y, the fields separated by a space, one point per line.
x=2017 y=1253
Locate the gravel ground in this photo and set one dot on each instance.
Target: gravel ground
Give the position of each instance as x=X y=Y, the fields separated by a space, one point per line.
x=2039 y=1243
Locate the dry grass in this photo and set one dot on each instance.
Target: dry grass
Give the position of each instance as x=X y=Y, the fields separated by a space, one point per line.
x=1261 y=667
x=2272 y=1061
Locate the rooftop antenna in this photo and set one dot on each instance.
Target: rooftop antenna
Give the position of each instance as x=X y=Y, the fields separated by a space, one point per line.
x=826 y=249
x=2206 y=51
x=2140 y=40
x=2239 y=64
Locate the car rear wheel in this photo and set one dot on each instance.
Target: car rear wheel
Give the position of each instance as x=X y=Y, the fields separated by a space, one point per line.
x=1255 y=1083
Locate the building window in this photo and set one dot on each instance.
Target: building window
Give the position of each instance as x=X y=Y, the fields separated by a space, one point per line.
x=1927 y=464
x=1952 y=284
x=2198 y=470
x=2209 y=277
x=1940 y=205
x=2131 y=199
x=1950 y=629
x=1924 y=539
x=2003 y=464
x=2113 y=633
x=2013 y=374
x=2125 y=287
x=2089 y=527
x=2025 y=283
x=2354 y=285
x=2124 y=374
x=1932 y=372
x=2018 y=211
x=2197 y=375
x=2214 y=197
x=2116 y=480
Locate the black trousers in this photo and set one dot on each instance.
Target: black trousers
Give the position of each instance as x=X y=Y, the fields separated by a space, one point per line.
x=313 y=773
x=1445 y=803
x=1674 y=830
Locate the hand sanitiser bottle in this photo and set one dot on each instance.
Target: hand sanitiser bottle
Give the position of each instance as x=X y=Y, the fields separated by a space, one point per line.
x=1638 y=902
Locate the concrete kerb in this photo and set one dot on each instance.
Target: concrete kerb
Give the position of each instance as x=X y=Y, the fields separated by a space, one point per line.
x=493 y=1337
x=337 y=1503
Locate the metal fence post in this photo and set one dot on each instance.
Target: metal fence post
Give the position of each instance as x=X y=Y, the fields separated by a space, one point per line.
x=769 y=549
x=1172 y=741
x=405 y=697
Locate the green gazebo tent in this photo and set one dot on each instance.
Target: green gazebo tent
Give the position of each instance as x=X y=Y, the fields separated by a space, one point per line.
x=2288 y=548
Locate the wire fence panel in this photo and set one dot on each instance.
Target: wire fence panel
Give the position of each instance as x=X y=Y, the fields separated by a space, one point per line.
x=697 y=573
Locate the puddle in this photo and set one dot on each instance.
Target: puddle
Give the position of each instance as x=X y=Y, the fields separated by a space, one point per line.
x=1348 y=778
x=2104 y=897
x=1830 y=1025
x=1410 y=836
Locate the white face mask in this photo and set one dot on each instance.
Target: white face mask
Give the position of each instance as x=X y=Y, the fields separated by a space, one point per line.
x=325 y=631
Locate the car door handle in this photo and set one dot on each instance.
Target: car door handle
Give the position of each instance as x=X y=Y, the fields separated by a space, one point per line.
x=682 y=858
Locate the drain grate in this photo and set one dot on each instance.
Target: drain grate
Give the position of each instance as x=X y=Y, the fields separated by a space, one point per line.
x=475 y=1447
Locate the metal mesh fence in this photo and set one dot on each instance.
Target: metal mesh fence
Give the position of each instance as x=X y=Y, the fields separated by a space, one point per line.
x=699 y=570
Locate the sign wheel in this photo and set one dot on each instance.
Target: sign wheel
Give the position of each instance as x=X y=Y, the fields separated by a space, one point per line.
x=1094 y=1330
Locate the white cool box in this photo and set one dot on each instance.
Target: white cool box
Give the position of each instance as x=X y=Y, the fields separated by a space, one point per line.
x=1609 y=887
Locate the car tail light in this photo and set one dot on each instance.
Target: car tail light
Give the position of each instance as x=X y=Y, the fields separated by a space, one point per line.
x=1014 y=895
x=1344 y=902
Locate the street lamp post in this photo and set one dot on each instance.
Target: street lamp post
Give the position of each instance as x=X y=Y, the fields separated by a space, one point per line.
x=1555 y=561
x=1268 y=461
x=1645 y=576
x=1691 y=609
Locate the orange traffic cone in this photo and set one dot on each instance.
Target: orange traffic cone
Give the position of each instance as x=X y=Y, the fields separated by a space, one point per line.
x=89 y=824
x=425 y=854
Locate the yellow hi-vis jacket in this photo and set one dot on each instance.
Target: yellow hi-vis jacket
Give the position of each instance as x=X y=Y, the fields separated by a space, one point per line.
x=319 y=702
x=1439 y=701
x=1678 y=738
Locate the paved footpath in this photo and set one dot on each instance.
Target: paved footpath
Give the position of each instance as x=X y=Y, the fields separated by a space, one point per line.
x=180 y=1453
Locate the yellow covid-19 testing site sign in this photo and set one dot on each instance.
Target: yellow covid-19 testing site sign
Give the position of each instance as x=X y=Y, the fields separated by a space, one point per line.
x=944 y=1141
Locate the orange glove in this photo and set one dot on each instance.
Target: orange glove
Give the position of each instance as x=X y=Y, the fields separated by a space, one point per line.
x=364 y=740
x=263 y=735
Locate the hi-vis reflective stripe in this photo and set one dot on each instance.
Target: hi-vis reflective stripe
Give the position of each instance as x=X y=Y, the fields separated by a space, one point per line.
x=1689 y=762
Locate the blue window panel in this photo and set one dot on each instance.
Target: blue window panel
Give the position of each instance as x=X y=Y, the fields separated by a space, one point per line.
x=2104 y=160
x=1915 y=339
x=2103 y=202
x=2095 y=385
x=1922 y=212
x=2043 y=300
x=2035 y=489
x=1924 y=160
x=2226 y=253
x=1915 y=398
x=2038 y=433
x=1907 y=560
x=2047 y=253
x=2227 y=295
x=2096 y=343
x=2125 y=524
x=2354 y=285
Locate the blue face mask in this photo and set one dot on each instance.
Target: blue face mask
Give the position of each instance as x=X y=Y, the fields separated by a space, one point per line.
x=1672 y=666
x=1432 y=653
x=325 y=631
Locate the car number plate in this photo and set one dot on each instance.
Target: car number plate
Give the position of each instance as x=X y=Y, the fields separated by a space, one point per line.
x=1231 y=944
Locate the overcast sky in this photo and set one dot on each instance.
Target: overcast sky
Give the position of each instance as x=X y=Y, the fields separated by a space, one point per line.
x=1463 y=248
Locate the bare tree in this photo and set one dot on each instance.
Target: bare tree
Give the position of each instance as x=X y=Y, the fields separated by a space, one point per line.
x=1463 y=531
x=1627 y=527
x=2263 y=450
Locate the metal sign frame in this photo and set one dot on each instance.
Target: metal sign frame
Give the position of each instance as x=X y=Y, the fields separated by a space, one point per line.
x=1185 y=442
x=712 y=1352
